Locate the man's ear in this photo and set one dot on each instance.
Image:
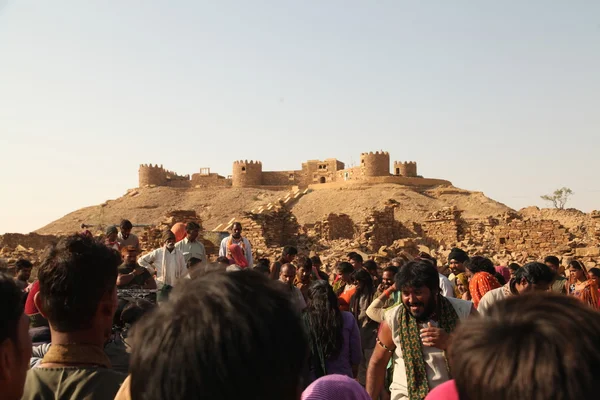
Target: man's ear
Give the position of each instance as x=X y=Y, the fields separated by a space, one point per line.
x=37 y=300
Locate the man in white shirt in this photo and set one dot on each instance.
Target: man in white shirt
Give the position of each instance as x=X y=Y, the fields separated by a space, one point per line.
x=286 y=276
x=190 y=246
x=446 y=288
x=167 y=262
x=533 y=276
x=415 y=333
x=236 y=238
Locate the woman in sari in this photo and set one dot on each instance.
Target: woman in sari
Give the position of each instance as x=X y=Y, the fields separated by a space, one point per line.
x=581 y=286
x=482 y=277
x=462 y=287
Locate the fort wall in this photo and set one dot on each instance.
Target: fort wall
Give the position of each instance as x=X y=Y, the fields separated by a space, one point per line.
x=247 y=173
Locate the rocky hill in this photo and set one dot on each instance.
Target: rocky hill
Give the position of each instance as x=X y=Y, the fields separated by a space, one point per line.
x=217 y=206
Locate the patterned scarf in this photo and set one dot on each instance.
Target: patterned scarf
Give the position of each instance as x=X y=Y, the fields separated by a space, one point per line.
x=412 y=350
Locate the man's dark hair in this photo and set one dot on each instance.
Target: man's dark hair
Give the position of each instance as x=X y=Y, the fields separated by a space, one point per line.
x=238 y=224
x=223 y=260
x=480 y=264
x=262 y=268
x=356 y=258
x=74 y=276
x=534 y=272
x=304 y=262
x=289 y=251
x=126 y=224
x=11 y=308
x=370 y=265
x=192 y=262
x=391 y=268
x=552 y=260
x=211 y=332
x=427 y=256
x=22 y=263
x=191 y=226
x=135 y=310
x=316 y=260
x=344 y=267
x=418 y=273
x=263 y=262
x=513 y=266
x=351 y=254
x=535 y=346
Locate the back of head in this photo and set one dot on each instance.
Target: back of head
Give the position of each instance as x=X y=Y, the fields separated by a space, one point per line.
x=304 y=262
x=480 y=264
x=418 y=273
x=289 y=251
x=222 y=336
x=323 y=318
x=370 y=266
x=356 y=258
x=552 y=260
x=344 y=267
x=534 y=273
x=74 y=277
x=537 y=346
x=316 y=260
x=513 y=267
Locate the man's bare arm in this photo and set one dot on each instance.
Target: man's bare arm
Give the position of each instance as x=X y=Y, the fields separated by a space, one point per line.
x=379 y=361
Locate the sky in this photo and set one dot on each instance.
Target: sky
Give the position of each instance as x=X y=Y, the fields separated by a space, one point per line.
x=501 y=97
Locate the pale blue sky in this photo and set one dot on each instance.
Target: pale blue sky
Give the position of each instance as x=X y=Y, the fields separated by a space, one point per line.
x=501 y=97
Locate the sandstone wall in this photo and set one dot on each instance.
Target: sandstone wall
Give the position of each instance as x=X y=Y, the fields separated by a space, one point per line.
x=281 y=178
x=30 y=240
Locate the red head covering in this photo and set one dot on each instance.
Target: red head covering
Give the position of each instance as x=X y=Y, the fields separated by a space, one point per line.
x=238 y=255
x=30 y=308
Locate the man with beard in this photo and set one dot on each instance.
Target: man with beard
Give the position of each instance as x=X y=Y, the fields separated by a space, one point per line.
x=236 y=239
x=23 y=268
x=416 y=333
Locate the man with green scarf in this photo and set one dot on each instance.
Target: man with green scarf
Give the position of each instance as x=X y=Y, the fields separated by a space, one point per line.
x=416 y=333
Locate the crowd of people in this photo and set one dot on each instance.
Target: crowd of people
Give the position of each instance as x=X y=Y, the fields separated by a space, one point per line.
x=236 y=328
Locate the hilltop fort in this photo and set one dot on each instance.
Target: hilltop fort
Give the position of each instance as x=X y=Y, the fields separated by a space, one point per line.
x=374 y=168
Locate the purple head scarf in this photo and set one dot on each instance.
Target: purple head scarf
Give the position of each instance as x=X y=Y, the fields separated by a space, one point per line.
x=335 y=387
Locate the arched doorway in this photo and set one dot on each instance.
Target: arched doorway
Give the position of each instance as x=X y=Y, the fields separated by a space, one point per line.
x=322 y=179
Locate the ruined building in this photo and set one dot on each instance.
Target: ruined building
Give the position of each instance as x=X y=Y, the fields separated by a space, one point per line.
x=373 y=168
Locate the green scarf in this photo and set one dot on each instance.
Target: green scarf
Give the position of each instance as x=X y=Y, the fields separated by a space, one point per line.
x=412 y=351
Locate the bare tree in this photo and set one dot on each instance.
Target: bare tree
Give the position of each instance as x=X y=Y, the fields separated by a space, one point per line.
x=559 y=198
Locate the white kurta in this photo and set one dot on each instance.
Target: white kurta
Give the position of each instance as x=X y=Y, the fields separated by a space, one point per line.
x=223 y=250
x=192 y=249
x=435 y=363
x=169 y=265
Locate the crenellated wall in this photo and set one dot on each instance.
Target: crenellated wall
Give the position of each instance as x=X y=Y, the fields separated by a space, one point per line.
x=247 y=173
x=375 y=164
x=407 y=169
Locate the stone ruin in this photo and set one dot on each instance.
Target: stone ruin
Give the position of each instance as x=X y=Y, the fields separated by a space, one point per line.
x=511 y=237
